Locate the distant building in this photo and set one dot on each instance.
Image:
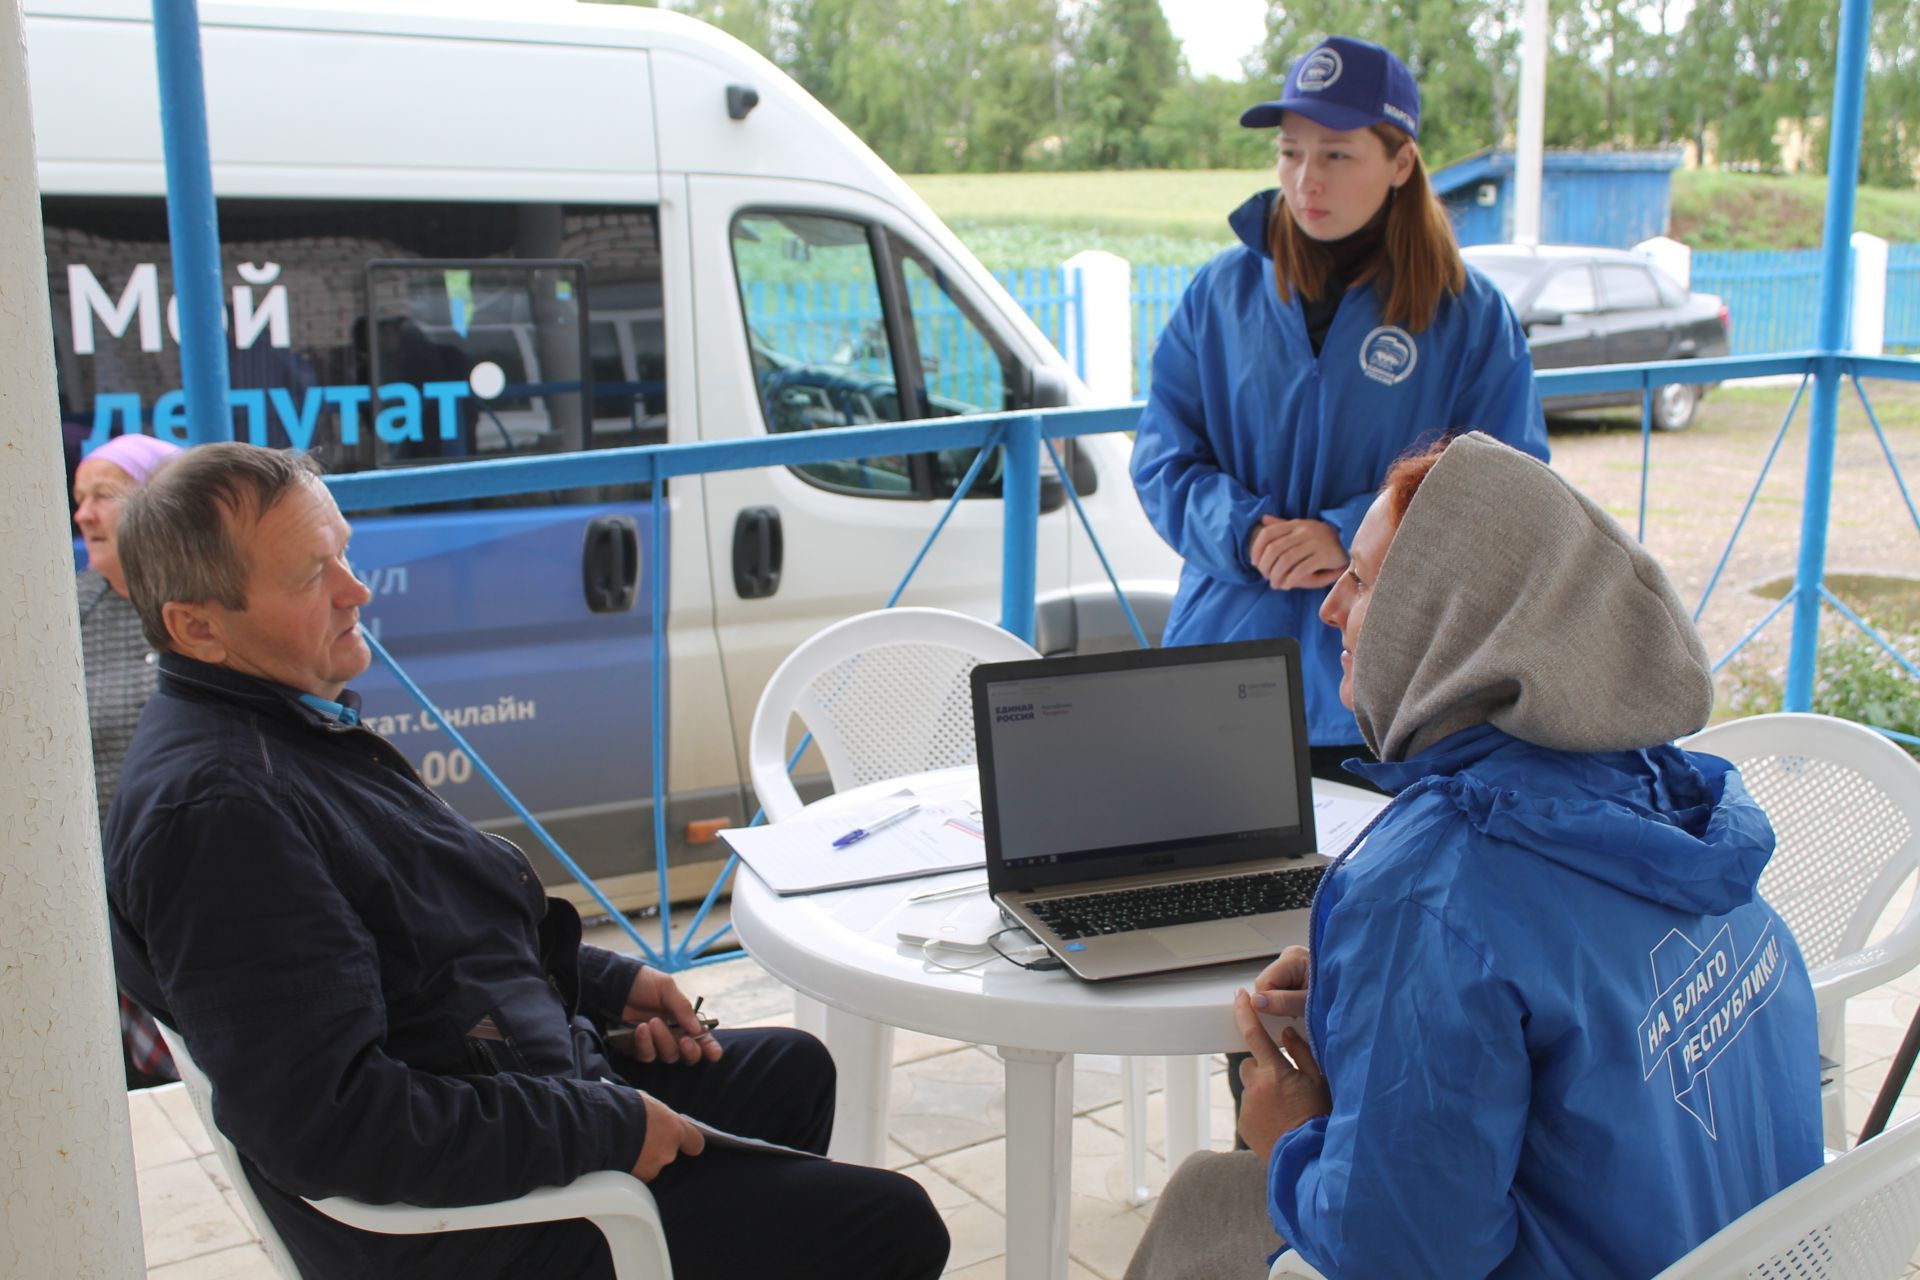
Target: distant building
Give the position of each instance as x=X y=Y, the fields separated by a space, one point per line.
x=1614 y=199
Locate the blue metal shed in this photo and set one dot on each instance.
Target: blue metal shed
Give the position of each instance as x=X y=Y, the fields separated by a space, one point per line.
x=1611 y=198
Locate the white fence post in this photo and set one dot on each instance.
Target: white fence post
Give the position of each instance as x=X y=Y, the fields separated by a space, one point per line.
x=1670 y=256
x=66 y=1175
x=1106 y=299
x=1869 y=327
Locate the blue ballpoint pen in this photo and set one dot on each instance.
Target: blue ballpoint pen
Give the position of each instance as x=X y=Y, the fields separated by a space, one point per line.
x=861 y=833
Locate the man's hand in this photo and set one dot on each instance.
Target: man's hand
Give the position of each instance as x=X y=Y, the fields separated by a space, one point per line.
x=1296 y=553
x=669 y=1136
x=666 y=1029
x=1280 y=1095
x=1281 y=988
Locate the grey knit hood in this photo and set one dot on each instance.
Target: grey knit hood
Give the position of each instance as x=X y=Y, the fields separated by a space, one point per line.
x=1509 y=598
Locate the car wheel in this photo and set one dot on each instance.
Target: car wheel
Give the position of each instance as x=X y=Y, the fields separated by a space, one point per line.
x=1673 y=406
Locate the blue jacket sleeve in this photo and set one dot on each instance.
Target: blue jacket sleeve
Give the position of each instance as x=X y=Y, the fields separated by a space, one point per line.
x=282 y=1007
x=1204 y=513
x=1499 y=396
x=1411 y=1174
x=1346 y=517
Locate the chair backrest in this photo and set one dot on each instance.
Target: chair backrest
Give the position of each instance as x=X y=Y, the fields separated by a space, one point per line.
x=1845 y=806
x=883 y=694
x=1856 y=1218
x=200 y=1089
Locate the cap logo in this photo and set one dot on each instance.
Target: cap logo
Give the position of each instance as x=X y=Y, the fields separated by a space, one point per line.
x=1318 y=72
x=1398 y=116
x=1388 y=355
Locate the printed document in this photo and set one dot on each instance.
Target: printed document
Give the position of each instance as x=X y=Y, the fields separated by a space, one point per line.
x=798 y=855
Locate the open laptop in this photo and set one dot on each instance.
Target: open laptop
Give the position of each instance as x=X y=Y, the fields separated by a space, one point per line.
x=1150 y=810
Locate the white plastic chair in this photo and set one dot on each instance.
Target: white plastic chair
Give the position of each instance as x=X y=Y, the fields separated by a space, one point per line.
x=617 y=1203
x=1845 y=806
x=1855 y=1218
x=886 y=694
x=883 y=694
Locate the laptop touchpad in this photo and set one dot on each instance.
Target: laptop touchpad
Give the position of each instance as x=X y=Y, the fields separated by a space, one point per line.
x=1213 y=938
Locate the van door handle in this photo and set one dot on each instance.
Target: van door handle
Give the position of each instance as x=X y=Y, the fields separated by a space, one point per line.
x=758 y=551
x=610 y=565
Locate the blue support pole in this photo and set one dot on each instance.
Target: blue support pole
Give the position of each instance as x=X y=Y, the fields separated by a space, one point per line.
x=191 y=222
x=1843 y=171
x=1020 y=508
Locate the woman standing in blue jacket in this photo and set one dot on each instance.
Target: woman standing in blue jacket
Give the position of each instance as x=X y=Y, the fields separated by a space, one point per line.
x=1342 y=330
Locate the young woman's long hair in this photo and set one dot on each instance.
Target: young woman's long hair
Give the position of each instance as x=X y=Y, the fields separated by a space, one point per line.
x=1419 y=258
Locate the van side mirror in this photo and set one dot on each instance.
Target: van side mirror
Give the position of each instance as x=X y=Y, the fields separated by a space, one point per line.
x=1535 y=319
x=741 y=99
x=1048 y=388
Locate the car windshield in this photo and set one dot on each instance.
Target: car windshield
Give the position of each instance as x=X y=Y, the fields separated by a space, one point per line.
x=1510 y=275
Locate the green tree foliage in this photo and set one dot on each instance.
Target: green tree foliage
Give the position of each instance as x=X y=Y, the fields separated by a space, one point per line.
x=991 y=85
x=1125 y=62
x=1435 y=38
x=1197 y=126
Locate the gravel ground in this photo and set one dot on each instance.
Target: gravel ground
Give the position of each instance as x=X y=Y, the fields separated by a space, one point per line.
x=1700 y=478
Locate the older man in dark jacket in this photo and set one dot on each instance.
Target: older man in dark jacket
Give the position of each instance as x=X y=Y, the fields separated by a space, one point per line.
x=387 y=1004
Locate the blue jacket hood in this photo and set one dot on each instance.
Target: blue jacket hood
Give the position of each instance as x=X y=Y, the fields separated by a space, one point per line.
x=1664 y=824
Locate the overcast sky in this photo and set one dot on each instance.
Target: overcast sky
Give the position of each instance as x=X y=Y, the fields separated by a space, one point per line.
x=1216 y=34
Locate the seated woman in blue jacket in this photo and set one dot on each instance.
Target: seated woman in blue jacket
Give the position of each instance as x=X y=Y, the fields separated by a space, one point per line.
x=1551 y=1029
x=1343 y=329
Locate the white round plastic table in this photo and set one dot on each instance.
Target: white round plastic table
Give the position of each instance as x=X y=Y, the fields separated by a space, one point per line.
x=840 y=948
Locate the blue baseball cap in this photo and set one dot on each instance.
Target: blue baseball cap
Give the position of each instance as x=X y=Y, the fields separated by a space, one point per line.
x=1345 y=84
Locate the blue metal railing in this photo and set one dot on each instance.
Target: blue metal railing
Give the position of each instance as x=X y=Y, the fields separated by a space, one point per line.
x=1023 y=436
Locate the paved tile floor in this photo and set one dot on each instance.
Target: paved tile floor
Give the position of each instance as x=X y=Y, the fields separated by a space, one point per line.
x=947 y=1132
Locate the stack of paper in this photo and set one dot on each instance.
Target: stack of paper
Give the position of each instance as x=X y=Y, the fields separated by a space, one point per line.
x=798 y=855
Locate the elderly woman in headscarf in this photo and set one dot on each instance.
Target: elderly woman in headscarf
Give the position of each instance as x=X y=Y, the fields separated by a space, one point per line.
x=1550 y=1028
x=120 y=671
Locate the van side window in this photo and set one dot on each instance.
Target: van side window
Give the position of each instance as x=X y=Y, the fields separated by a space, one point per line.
x=817 y=335
x=848 y=325
x=964 y=367
x=376 y=334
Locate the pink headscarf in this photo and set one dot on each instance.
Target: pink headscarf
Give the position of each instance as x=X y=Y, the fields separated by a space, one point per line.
x=138 y=456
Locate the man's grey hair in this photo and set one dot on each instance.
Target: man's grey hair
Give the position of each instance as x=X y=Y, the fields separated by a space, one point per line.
x=174 y=537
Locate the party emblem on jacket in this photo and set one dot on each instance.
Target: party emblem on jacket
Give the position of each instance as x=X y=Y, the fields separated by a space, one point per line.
x=1706 y=1000
x=1388 y=355
x=1321 y=69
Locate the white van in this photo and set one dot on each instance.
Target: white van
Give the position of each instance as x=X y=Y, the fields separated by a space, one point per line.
x=487 y=230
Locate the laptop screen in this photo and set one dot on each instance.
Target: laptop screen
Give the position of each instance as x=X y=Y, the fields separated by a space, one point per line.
x=1116 y=764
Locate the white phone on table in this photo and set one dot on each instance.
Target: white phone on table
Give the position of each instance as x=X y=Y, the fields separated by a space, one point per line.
x=967 y=926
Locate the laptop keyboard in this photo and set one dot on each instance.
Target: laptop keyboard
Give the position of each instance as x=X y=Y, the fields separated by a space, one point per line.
x=1158 y=906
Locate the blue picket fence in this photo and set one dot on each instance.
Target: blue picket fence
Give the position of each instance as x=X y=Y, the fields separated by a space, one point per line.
x=1772 y=296
x=1156 y=290
x=1903 y=297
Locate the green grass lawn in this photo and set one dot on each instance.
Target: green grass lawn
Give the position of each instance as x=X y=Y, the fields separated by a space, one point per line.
x=1179 y=216
x=1713 y=210
x=1144 y=215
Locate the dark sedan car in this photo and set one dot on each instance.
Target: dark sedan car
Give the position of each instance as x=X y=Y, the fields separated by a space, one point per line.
x=1584 y=306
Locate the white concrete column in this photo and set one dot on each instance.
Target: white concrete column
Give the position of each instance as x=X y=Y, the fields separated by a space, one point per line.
x=1530 y=140
x=1670 y=256
x=1106 y=301
x=1869 y=324
x=66 y=1159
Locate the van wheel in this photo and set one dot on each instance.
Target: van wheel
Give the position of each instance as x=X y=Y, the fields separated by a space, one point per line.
x=1673 y=406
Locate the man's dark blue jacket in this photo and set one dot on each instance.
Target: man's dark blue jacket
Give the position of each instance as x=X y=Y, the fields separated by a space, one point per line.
x=387 y=1004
